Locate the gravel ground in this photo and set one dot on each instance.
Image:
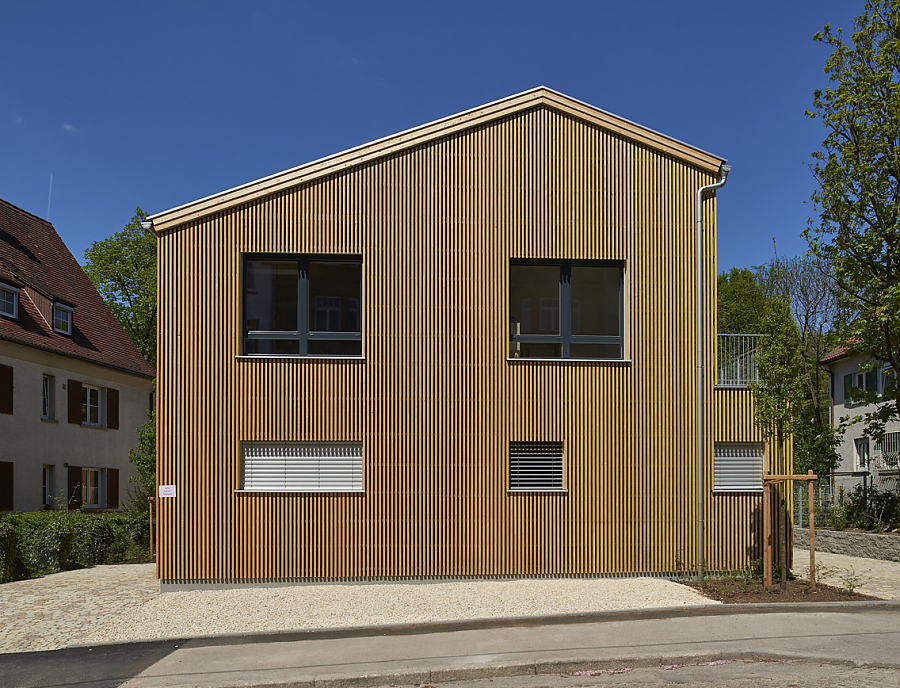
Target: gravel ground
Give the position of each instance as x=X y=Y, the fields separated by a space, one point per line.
x=247 y=610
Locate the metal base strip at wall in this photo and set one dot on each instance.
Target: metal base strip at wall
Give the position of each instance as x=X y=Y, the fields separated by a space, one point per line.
x=236 y=584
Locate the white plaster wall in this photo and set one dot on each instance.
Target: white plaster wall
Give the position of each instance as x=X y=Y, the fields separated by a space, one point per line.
x=847 y=448
x=30 y=442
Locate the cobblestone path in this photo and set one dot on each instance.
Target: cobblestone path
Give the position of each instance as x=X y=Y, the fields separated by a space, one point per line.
x=869 y=576
x=58 y=610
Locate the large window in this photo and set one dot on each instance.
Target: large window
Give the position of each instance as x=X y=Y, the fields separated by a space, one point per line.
x=566 y=309
x=302 y=306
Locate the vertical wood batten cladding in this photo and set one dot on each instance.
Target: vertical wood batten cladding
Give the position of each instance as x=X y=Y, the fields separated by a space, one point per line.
x=435 y=402
x=727 y=547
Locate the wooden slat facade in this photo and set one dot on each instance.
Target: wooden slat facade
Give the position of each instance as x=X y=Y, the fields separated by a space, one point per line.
x=435 y=402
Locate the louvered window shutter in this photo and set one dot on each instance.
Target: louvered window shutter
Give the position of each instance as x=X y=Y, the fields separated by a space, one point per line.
x=848 y=382
x=73 y=488
x=872 y=380
x=112 y=408
x=7 y=470
x=74 y=391
x=738 y=467
x=6 y=389
x=535 y=466
x=112 y=488
x=303 y=467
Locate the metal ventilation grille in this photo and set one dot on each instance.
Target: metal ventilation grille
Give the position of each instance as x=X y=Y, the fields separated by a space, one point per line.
x=738 y=467
x=535 y=466
x=302 y=467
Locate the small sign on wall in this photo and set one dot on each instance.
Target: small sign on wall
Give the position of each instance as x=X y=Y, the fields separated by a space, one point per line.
x=166 y=491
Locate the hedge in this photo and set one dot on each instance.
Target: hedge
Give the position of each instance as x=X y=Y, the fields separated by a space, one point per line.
x=41 y=542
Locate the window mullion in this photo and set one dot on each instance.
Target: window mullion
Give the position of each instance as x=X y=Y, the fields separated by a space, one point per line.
x=565 y=307
x=303 y=306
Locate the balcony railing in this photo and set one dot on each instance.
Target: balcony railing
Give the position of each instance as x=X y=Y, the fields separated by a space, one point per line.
x=736 y=360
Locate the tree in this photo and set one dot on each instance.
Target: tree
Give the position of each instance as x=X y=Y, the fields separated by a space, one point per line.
x=143 y=456
x=123 y=269
x=780 y=396
x=858 y=173
x=791 y=301
x=741 y=302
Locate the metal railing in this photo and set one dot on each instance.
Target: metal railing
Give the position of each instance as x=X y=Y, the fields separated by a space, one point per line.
x=736 y=360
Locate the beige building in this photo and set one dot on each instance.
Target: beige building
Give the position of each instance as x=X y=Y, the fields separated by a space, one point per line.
x=468 y=349
x=73 y=387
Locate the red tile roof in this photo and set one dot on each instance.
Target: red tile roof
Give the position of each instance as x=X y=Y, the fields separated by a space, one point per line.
x=33 y=256
x=838 y=352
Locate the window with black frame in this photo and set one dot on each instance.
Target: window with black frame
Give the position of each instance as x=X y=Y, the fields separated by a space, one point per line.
x=302 y=306
x=566 y=309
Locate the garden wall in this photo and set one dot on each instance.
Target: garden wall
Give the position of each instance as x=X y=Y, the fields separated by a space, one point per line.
x=854 y=544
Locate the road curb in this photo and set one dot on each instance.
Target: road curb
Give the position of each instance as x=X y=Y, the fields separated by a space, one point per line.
x=530 y=668
x=336 y=633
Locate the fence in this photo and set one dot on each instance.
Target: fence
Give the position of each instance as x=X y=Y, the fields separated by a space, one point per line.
x=736 y=360
x=823 y=498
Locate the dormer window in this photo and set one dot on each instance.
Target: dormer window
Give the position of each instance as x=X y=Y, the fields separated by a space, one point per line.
x=9 y=301
x=62 y=319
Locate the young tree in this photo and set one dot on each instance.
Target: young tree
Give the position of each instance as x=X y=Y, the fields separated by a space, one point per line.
x=143 y=456
x=781 y=394
x=123 y=269
x=858 y=172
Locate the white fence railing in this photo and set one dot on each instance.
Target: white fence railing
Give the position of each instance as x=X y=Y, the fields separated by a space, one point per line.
x=736 y=360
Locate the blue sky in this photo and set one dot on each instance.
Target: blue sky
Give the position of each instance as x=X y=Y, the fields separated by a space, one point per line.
x=158 y=104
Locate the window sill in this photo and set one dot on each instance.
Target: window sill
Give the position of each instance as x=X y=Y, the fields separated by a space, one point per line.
x=93 y=427
x=252 y=357
x=719 y=490
x=300 y=491
x=620 y=361
x=49 y=420
x=561 y=490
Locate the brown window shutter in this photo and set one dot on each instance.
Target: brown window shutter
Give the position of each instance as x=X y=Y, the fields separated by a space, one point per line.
x=74 y=487
x=6 y=389
x=112 y=488
x=75 y=405
x=6 y=485
x=112 y=408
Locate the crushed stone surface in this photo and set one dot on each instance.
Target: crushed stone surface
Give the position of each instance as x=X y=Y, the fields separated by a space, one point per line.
x=248 y=610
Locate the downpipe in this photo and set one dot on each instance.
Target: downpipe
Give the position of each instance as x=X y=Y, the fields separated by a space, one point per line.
x=701 y=513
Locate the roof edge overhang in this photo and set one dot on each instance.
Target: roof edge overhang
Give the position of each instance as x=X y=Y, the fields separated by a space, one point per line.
x=66 y=354
x=424 y=133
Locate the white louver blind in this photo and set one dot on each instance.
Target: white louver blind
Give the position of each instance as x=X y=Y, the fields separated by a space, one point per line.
x=303 y=467
x=535 y=466
x=738 y=467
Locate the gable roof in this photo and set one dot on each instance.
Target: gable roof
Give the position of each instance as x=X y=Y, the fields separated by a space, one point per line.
x=540 y=96
x=34 y=258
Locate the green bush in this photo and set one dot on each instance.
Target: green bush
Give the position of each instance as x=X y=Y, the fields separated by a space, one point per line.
x=42 y=542
x=866 y=508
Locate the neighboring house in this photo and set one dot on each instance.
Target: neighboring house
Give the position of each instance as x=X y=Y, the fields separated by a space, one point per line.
x=73 y=387
x=863 y=460
x=467 y=349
